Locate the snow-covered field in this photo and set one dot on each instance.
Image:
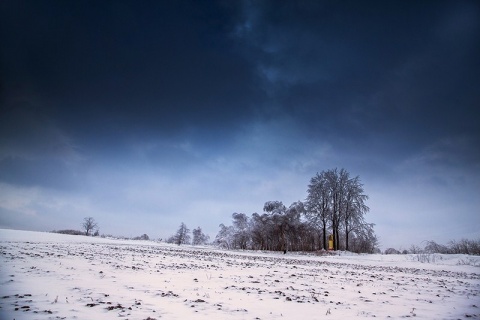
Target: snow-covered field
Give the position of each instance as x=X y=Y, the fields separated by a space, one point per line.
x=53 y=276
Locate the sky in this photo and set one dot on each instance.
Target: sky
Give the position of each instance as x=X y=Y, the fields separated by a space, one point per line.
x=146 y=114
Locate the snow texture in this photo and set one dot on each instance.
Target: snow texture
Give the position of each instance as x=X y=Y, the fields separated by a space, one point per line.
x=54 y=276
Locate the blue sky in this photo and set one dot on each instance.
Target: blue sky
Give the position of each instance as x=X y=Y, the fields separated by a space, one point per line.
x=146 y=114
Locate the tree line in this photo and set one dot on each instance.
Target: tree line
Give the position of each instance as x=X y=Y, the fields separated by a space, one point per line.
x=335 y=206
x=462 y=246
x=331 y=217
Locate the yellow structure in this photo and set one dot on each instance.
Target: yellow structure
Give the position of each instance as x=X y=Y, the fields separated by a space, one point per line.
x=330 y=242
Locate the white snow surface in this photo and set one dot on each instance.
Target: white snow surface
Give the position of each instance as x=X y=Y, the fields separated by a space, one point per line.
x=54 y=276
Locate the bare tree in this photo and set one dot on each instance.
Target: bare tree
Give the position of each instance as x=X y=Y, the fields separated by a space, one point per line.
x=364 y=239
x=277 y=210
x=260 y=231
x=433 y=247
x=354 y=208
x=415 y=249
x=224 y=237
x=318 y=205
x=182 y=236
x=199 y=237
x=89 y=225
x=241 y=227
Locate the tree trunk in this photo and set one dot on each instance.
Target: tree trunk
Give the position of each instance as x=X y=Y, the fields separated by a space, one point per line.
x=334 y=237
x=346 y=236
x=325 y=236
x=336 y=241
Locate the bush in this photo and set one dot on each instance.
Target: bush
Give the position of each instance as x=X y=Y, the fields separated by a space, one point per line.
x=426 y=257
x=142 y=237
x=68 y=231
x=392 y=251
x=433 y=247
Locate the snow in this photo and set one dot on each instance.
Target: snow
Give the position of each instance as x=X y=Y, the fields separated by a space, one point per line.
x=54 y=276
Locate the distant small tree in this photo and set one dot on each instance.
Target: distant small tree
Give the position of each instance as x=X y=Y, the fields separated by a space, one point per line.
x=199 y=237
x=89 y=224
x=415 y=249
x=182 y=236
x=142 y=237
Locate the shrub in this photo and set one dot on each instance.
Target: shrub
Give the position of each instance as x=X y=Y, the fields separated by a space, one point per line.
x=391 y=251
x=142 y=237
x=68 y=231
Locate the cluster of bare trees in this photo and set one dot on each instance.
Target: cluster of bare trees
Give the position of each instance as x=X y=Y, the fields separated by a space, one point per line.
x=335 y=206
x=182 y=236
x=464 y=246
x=278 y=229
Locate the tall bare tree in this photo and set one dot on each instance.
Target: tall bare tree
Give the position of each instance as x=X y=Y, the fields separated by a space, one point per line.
x=318 y=205
x=354 y=209
x=333 y=184
x=241 y=229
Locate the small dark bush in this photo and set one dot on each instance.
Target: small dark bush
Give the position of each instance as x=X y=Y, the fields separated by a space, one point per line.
x=392 y=251
x=72 y=232
x=142 y=237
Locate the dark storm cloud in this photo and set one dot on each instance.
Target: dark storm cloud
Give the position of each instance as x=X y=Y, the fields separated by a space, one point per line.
x=34 y=151
x=355 y=70
x=127 y=65
x=341 y=68
x=28 y=173
x=349 y=71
